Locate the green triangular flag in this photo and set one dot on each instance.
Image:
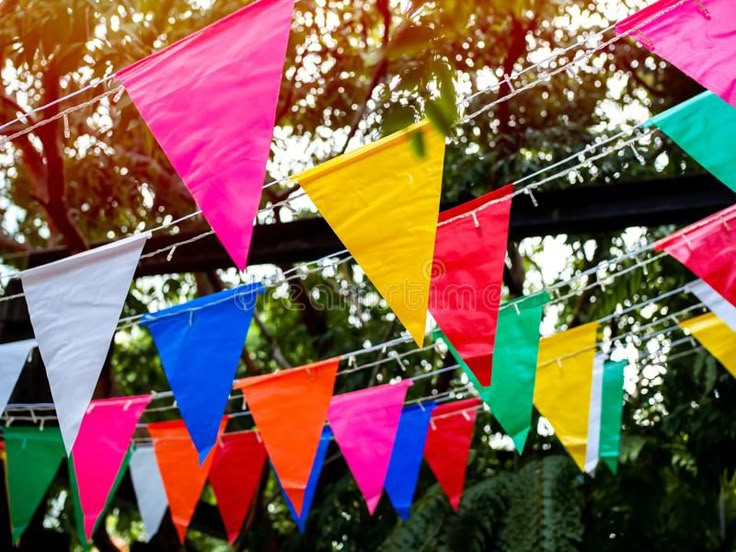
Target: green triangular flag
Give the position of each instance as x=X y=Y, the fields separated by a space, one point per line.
x=511 y=395
x=33 y=457
x=438 y=335
x=703 y=127
x=612 y=407
x=78 y=514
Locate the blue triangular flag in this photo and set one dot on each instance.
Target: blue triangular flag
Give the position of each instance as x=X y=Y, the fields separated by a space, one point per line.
x=319 y=460
x=200 y=343
x=406 y=458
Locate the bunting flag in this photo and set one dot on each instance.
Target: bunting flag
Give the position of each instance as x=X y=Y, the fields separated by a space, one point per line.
x=612 y=408
x=149 y=488
x=290 y=409
x=594 y=414
x=708 y=248
x=406 y=458
x=696 y=37
x=365 y=423
x=200 y=343
x=511 y=396
x=13 y=358
x=33 y=457
x=387 y=217
x=564 y=379
x=467 y=281
x=711 y=299
x=210 y=100
x=235 y=474
x=448 y=445
x=319 y=461
x=181 y=472
x=74 y=305
x=99 y=450
x=702 y=127
x=716 y=336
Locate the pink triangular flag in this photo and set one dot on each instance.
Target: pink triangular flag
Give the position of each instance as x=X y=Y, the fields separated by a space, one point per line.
x=210 y=100
x=364 y=423
x=100 y=448
x=695 y=36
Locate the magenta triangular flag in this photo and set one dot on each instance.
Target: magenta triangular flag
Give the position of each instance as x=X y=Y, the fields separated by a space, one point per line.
x=695 y=36
x=364 y=423
x=210 y=100
x=100 y=448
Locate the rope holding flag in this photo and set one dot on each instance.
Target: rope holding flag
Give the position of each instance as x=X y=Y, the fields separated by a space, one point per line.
x=210 y=100
x=387 y=217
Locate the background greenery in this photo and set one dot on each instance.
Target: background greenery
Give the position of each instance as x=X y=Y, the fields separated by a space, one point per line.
x=356 y=70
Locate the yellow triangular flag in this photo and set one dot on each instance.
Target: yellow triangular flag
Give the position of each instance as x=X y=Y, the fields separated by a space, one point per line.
x=564 y=379
x=715 y=335
x=382 y=201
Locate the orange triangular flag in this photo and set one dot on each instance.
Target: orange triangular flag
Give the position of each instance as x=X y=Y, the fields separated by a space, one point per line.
x=290 y=409
x=182 y=476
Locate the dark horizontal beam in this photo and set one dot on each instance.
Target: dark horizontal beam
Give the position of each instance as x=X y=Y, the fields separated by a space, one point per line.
x=574 y=210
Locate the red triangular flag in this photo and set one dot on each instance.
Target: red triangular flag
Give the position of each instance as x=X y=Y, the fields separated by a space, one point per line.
x=182 y=476
x=364 y=423
x=235 y=474
x=467 y=276
x=210 y=100
x=290 y=409
x=708 y=248
x=448 y=445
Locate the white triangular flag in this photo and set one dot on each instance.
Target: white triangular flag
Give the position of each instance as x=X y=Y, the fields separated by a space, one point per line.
x=149 y=488
x=594 y=416
x=714 y=301
x=75 y=304
x=13 y=357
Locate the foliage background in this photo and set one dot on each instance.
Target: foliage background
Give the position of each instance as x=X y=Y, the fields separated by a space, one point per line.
x=356 y=70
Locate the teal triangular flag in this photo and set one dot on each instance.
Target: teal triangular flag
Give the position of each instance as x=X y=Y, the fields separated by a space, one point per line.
x=612 y=407
x=33 y=458
x=703 y=127
x=511 y=395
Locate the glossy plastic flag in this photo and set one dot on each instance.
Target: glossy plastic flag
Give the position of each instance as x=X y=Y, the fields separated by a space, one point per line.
x=448 y=445
x=290 y=410
x=612 y=408
x=564 y=379
x=98 y=453
x=387 y=216
x=708 y=248
x=713 y=300
x=181 y=472
x=75 y=305
x=594 y=414
x=319 y=461
x=149 y=488
x=13 y=358
x=33 y=457
x=467 y=281
x=210 y=100
x=511 y=396
x=406 y=459
x=365 y=423
x=715 y=335
x=702 y=127
x=695 y=36
x=200 y=343
x=235 y=474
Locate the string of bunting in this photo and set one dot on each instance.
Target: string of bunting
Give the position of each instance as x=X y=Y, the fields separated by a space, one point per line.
x=390 y=224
